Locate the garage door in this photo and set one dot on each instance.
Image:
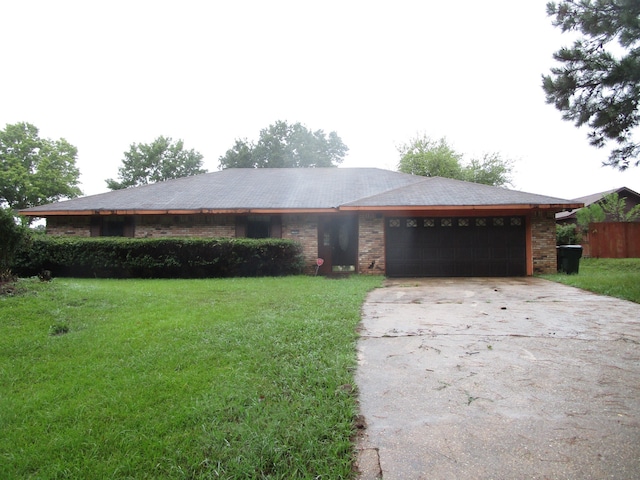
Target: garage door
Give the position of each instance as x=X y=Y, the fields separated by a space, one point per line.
x=456 y=246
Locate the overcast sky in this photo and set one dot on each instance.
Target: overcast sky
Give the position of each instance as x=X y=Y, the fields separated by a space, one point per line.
x=104 y=75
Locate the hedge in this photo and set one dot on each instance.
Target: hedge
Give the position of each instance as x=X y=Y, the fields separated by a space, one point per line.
x=110 y=257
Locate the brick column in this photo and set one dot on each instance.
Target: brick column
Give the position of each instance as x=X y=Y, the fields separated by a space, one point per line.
x=371 y=258
x=543 y=243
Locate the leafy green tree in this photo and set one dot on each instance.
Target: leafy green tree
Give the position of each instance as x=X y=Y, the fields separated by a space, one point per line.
x=491 y=169
x=430 y=158
x=286 y=146
x=12 y=235
x=590 y=214
x=160 y=160
x=239 y=156
x=611 y=208
x=615 y=209
x=34 y=170
x=598 y=81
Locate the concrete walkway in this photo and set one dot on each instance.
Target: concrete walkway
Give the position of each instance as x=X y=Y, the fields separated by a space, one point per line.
x=498 y=379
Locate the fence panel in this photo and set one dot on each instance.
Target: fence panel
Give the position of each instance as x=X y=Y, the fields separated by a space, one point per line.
x=614 y=240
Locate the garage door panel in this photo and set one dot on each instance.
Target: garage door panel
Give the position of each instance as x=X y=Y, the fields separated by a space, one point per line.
x=481 y=267
x=464 y=252
x=488 y=246
x=463 y=269
x=500 y=253
x=482 y=253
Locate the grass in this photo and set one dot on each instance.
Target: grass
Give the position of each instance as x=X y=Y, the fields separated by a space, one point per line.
x=616 y=277
x=233 y=378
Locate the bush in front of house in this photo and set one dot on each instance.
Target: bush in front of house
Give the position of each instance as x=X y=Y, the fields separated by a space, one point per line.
x=568 y=234
x=13 y=236
x=109 y=257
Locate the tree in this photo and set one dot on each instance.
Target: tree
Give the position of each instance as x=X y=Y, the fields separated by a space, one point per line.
x=611 y=208
x=239 y=156
x=592 y=213
x=491 y=169
x=424 y=156
x=615 y=209
x=285 y=146
x=12 y=235
x=598 y=82
x=34 y=170
x=429 y=158
x=161 y=160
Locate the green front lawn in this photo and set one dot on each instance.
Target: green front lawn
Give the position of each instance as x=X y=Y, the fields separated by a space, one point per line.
x=616 y=277
x=231 y=378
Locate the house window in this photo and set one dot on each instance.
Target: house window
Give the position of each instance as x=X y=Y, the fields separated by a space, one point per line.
x=446 y=222
x=463 y=222
x=515 y=221
x=394 y=222
x=429 y=222
x=112 y=226
x=412 y=222
x=258 y=227
x=498 y=222
x=481 y=222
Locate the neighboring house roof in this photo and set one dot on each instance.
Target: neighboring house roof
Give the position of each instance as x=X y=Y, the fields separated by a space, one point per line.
x=295 y=189
x=593 y=198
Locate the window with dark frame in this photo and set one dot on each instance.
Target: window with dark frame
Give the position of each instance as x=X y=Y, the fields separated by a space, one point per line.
x=258 y=227
x=112 y=226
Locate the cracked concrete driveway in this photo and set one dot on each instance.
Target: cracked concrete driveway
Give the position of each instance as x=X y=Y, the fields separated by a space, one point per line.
x=498 y=379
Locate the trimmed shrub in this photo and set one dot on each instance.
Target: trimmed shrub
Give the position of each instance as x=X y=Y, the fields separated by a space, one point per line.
x=568 y=234
x=110 y=257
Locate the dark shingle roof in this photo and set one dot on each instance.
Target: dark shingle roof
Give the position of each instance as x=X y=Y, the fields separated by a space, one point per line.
x=439 y=191
x=593 y=198
x=294 y=189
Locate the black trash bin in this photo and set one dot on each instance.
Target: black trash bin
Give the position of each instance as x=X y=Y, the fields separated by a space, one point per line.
x=569 y=258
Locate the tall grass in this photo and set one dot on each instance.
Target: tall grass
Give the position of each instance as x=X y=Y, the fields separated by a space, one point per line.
x=236 y=378
x=616 y=277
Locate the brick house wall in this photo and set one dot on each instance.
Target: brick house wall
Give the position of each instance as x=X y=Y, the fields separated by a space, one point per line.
x=152 y=226
x=543 y=243
x=371 y=255
x=208 y=226
x=69 y=226
x=304 y=230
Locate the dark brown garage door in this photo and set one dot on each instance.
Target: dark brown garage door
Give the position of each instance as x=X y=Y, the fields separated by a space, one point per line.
x=456 y=247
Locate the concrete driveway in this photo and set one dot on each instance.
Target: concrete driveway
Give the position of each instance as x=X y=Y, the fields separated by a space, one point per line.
x=498 y=379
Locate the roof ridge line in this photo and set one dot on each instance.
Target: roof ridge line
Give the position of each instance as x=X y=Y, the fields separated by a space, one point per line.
x=421 y=180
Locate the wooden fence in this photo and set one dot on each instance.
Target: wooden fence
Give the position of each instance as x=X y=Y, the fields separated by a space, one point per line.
x=614 y=240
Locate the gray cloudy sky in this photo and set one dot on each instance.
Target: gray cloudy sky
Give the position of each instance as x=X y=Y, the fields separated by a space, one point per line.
x=104 y=75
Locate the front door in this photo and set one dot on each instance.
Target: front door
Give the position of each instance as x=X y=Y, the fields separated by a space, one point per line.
x=338 y=244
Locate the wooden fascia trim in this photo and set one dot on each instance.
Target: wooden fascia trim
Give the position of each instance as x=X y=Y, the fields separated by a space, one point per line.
x=440 y=208
x=202 y=211
x=247 y=211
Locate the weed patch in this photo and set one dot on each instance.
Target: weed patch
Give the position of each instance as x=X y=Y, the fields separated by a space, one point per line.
x=58 y=329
